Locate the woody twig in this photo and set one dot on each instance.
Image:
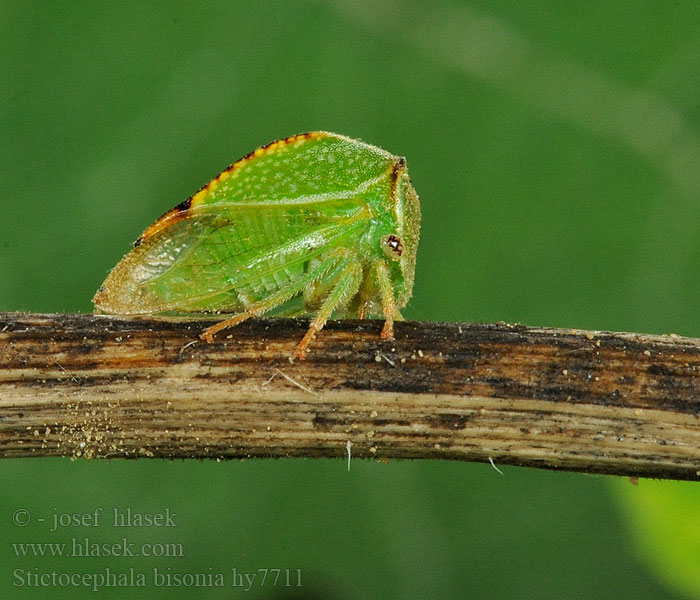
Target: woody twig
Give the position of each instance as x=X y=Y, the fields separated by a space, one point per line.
x=592 y=401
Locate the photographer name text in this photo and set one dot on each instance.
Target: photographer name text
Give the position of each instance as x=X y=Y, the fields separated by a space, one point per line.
x=116 y=517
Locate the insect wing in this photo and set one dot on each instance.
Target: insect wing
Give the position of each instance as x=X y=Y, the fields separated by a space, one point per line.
x=223 y=258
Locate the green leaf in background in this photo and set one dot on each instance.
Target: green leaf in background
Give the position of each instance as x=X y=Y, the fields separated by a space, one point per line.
x=663 y=518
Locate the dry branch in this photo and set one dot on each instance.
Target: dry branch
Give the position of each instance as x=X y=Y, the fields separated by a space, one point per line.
x=599 y=402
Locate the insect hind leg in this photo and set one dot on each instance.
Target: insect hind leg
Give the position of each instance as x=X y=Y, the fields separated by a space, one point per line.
x=259 y=308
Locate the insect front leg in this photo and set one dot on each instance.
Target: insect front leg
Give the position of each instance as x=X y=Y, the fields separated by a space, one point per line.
x=386 y=291
x=367 y=297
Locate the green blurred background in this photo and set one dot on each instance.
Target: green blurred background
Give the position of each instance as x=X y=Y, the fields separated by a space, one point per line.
x=555 y=146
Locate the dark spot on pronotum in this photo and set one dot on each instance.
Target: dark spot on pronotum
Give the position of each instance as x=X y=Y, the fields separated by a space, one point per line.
x=399 y=167
x=184 y=205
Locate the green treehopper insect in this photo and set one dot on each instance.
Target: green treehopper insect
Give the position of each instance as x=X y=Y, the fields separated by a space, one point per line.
x=314 y=225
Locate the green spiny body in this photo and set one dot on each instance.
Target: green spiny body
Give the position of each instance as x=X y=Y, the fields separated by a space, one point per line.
x=316 y=224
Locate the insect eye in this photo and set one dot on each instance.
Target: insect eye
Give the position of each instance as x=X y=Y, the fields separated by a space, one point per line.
x=392 y=246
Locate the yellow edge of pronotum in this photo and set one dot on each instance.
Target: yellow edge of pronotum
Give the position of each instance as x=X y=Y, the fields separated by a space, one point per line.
x=180 y=211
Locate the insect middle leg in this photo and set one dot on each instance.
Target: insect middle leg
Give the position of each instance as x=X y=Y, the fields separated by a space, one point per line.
x=346 y=286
